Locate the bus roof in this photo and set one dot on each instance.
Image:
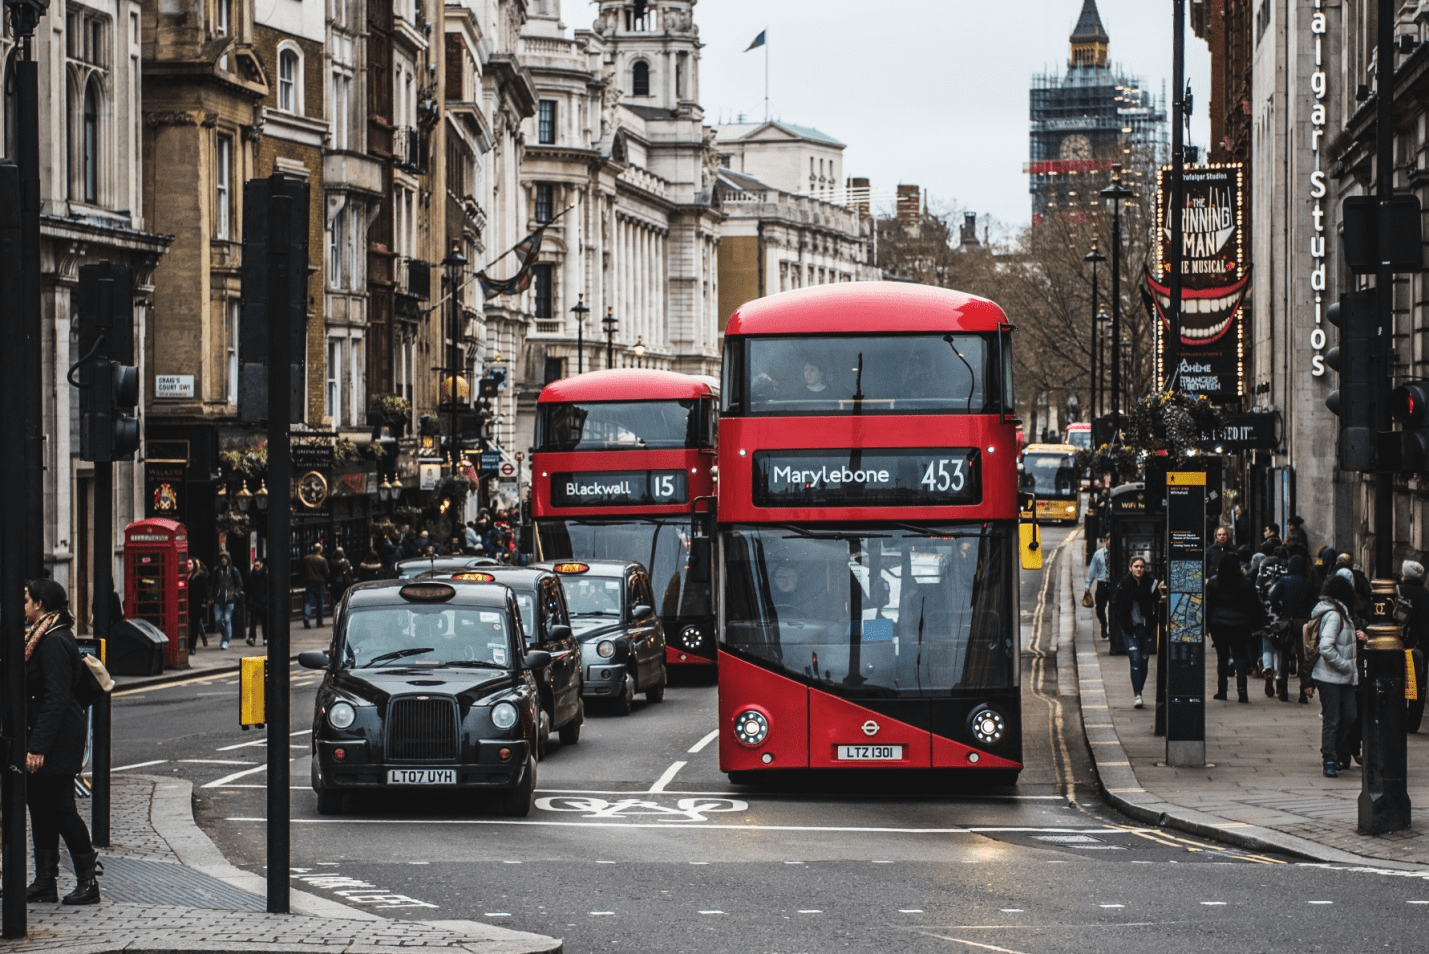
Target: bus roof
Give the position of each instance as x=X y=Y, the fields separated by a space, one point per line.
x=1079 y=426
x=1049 y=449
x=874 y=307
x=629 y=384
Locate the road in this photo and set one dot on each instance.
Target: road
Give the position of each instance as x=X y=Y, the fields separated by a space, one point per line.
x=640 y=843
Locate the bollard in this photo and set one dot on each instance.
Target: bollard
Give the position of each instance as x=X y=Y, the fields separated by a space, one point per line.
x=1384 y=792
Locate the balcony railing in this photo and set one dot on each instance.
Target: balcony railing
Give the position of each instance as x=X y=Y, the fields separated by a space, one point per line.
x=409 y=149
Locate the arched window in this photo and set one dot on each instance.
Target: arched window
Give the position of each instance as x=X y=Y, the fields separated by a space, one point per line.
x=288 y=71
x=640 y=79
x=89 y=142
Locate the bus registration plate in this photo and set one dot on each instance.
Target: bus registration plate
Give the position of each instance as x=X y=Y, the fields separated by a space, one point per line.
x=421 y=776
x=870 y=753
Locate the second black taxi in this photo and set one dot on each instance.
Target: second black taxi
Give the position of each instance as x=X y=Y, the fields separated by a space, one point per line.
x=428 y=687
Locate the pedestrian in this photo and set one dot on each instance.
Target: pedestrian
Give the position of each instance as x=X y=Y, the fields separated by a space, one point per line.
x=1416 y=636
x=1337 y=673
x=370 y=568
x=1234 y=613
x=1360 y=607
x=470 y=538
x=407 y=543
x=1099 y=575
x=255 y=601
x=1294 y=597
x=1324 y=565
x=1271 y=537
x=1272 y=568
x=1221 y=545
x=1295 y=533
x=226 y=589
x=340 y=575
x=1135 y=612
x=387 y=552
x=315 y=580
x=198 y=603
x=55 y=751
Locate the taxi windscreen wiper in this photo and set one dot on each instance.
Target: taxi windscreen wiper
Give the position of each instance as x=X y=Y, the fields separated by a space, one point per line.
x=479 y=663
x=398 y=654
x=614 y=614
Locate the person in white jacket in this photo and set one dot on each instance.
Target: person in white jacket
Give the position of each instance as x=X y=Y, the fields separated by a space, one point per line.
x=1336 y=672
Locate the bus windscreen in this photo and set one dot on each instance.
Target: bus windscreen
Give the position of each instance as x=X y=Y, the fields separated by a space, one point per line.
x=662 y=546
x=617 y=425
x=1051 y=475
x=861 y=374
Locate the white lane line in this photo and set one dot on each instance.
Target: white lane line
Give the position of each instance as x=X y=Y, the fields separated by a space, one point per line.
x=1214 y=904
x=910 y=910
x=711 y=912
x=1319 y=902
x=1012 y=911
x=123 y=768
x=242 y=745
x=1112 y=905
x=981 y=947
x=811 y=911
x=667 y=778
x=215 y=762
x=599 y=913
x=218 y=782
x=714 y=734
x=1418 y=902
x=497 y=914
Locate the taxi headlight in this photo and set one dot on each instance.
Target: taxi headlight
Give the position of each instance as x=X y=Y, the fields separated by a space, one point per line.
x=341 y=715
x=987 y=725
x=751 y=727
x=504 y=715
x=606 y=649
x=691 y=637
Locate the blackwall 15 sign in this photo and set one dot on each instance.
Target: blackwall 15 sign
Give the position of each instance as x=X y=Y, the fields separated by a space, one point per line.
x=1214 y=279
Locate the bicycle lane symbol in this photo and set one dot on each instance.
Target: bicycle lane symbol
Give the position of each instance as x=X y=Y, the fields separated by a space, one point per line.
x=684 y=809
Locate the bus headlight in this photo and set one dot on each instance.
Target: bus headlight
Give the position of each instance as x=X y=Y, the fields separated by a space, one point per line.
x=606 y=649
x=751 y=727
x=341 y=715
x=691 y=637
x=987 y=725
x=503 y=714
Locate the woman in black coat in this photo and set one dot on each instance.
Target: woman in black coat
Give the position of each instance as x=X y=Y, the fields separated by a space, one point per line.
x=55 y=753
x=1234 y=613
x=1135 y=608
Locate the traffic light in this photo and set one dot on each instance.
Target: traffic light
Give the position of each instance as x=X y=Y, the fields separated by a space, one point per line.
x=108 y=384
x=1355 y=358
x=1408 y=449
x=485 y=419
x=488 y=386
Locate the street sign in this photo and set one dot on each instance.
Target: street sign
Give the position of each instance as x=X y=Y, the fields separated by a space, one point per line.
x=490 y=459
x=508 y=470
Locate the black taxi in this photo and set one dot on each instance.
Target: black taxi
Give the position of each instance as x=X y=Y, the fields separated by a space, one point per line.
x=428 y=687
x=413 y=567
x=547 y=621
x=613 y=615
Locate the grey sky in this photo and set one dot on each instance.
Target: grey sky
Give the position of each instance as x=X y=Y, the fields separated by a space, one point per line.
x=932 y=92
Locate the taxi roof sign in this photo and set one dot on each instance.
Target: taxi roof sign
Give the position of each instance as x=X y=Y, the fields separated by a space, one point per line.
x=472 y=576
x=427 y=592
x=572 y=567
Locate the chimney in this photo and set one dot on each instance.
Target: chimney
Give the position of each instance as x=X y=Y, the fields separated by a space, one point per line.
x=909 y=202
x=967 y=235
x=858 y=195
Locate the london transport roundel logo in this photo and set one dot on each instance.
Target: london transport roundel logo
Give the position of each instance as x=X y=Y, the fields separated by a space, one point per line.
x=870 y=728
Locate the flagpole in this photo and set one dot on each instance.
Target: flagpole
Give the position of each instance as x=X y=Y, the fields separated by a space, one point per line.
x=766 y=74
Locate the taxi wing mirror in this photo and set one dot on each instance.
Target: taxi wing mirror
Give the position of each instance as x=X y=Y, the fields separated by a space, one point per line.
x=313 y=659
x=642 y=612
x=538 y=659
x=558 y=632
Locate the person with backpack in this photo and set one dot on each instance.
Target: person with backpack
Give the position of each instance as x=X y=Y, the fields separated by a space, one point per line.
x=1135 y=611
x=1272 y=568
x=1336 y=671
x=1234 y=613
x=1293 y=599
x=55 y=753
x=226 y=589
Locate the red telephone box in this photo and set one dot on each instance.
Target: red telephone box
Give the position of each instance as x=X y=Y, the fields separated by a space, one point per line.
x=156 y=581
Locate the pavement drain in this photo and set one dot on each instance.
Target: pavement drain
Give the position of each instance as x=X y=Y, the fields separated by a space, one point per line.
x=137 y=881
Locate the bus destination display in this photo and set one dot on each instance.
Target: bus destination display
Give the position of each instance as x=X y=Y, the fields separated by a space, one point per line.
x=880 y=477
x=620 y=488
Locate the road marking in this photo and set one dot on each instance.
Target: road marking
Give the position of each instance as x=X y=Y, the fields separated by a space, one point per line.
x=497 y=914
x=711 y=912
x=1111 y=905
x=1319 y=902
x=981 y=947
x=1012 y=911
x=666 y=778
x=910 y=910
x=139 y=765
x=1214 y=904
x=811 y=911
x=214 y=762
x=714 y=734
x=601 y=913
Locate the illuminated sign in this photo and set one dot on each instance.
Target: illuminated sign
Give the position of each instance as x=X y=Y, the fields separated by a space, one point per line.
x=872 y=477
x=622 y=487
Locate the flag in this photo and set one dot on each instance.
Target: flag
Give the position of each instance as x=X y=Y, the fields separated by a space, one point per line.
x=527 y=250
x=758 y=41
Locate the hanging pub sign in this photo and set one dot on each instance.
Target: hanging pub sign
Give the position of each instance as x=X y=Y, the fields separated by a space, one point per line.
x=1214 y=280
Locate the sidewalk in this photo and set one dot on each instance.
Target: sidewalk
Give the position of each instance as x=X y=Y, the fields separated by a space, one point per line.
x=1262 y=788
x=210 y=660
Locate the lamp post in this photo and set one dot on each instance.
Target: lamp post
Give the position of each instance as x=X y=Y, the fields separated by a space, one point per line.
x=453 y=264
x=639 y=350
x=1103 y=326
x=1096 y=258
x=1115 y=194
x=1126 y=376
x=581 y=309
x=609 y=323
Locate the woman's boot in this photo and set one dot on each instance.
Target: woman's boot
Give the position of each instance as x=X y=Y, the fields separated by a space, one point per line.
x=87 y=891
x=45 y=887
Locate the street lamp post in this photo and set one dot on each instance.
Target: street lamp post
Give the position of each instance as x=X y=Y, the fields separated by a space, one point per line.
x=610 y=323
x=1096 y=258
x=581 y=309
x=1103 y=323
x=1115 y=194
x=639 y=350
x=453 y=264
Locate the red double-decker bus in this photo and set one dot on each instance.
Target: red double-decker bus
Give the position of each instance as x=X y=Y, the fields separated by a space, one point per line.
x=623 y=469
x=868 y=534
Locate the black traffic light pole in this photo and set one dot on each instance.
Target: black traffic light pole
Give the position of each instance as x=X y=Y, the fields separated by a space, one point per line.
x=1384 y=282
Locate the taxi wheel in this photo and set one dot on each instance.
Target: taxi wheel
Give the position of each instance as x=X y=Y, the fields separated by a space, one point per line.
x=518 y=801
x=626 y=700
x=571 y=731
x=329 y=802
x=543 y=731
x=656 y=693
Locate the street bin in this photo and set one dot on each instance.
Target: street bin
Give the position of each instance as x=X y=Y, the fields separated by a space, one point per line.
x=135 y=647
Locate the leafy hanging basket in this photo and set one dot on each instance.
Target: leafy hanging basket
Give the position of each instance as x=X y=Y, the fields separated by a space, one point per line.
x=1172 y=421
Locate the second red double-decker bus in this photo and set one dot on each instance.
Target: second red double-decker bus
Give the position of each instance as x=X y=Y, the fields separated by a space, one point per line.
x=622 y=469
x=868 y=534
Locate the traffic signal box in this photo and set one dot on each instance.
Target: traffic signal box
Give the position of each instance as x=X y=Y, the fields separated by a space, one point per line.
x=108 y=383
x=1407 y=451
x=1362 y=378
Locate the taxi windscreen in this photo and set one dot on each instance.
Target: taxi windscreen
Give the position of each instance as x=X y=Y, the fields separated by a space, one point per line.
x=425 y=636
x=593 y=595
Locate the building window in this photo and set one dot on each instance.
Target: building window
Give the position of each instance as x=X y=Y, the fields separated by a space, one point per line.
x=545 y=200
x=640 y=79
x=232 y=312
x=541 y=284
x=637 y=20
x=337 y=251
x=546 y=122
x=555 y=370
x=223 y=187
x=355 y=380
x=341 y=108
x=288 y=73
x=334 y=380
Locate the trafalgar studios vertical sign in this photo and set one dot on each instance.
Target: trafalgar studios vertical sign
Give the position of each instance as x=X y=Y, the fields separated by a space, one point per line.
x=1315 y=106
x=1214 y=278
